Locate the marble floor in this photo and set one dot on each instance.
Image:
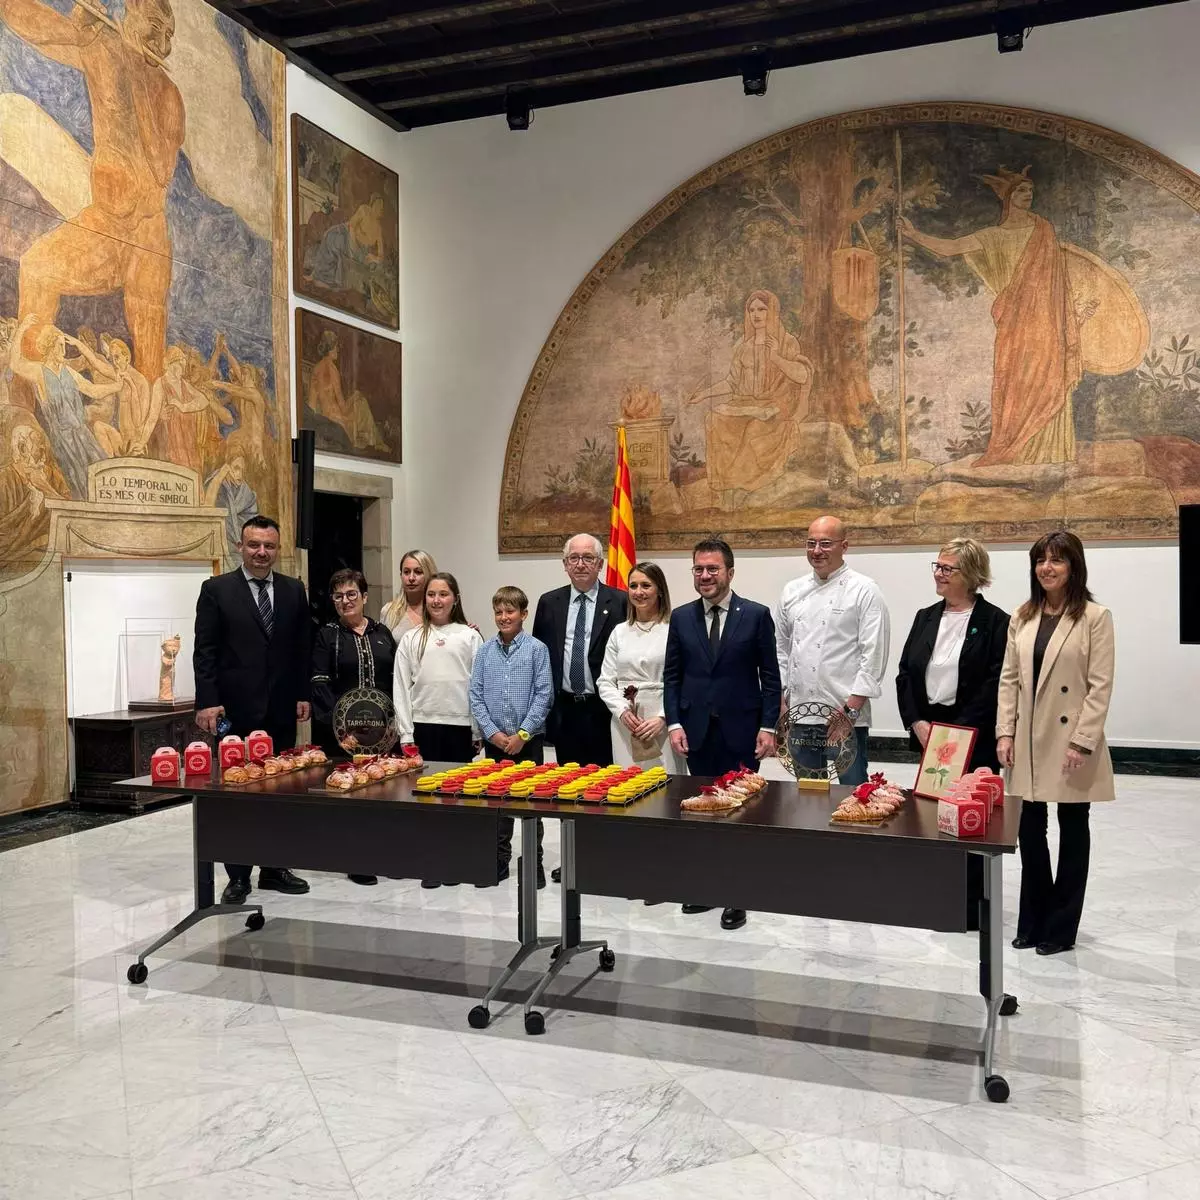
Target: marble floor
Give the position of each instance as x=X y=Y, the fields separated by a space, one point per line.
x=328 y=1056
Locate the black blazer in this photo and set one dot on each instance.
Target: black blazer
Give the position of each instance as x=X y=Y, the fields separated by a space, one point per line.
x=741 y=683
x=550 y=626
x=257 y=679
x=978 y=673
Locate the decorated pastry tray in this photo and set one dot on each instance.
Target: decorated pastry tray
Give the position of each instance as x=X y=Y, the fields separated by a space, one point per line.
x=368 y=769
x=569 y=783
x=726 y=794
x=870 y=805
x=284 y=763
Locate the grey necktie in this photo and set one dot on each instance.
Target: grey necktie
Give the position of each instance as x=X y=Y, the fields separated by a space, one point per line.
x=264 y=606
x=579 y=645
x=714 y=631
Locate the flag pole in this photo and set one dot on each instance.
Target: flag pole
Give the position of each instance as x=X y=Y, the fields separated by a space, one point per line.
x=901 y=321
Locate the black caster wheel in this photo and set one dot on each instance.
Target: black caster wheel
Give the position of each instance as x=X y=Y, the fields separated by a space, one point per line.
x=479 y=1017
x=996 y=1087
x=608 y=960
x=1008 y=1006
x=137 y=973
x=535 y=1022
x=255 y=921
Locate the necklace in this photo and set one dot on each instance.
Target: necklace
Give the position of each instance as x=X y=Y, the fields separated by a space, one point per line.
x=645 y=626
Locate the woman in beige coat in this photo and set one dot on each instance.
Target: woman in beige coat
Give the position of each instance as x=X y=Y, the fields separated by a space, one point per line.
x=1055 y=687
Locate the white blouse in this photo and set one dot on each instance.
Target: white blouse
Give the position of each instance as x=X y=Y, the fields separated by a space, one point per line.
x=634 y=656
x=941 y=675
x=433 y=687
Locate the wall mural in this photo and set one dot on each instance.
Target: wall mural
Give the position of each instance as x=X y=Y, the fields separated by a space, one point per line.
x=144 y=406
x=1026 y=282
x=346 y=226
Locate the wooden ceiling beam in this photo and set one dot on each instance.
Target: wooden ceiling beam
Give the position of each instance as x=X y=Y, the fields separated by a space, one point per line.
x=374 y=17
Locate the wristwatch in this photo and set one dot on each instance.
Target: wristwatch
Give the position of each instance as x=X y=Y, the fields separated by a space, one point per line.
x=852 y=713
x=523 y=735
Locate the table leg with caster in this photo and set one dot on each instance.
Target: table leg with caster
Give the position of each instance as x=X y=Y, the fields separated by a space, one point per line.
x=204 y=894
x=569 y=944
x=480 y=1016
x=991 y=972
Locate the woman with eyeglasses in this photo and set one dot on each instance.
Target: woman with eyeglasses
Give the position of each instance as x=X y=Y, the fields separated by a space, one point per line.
x=407 y=610
x=1055 y=688
x=351 y=652
x=950 y=665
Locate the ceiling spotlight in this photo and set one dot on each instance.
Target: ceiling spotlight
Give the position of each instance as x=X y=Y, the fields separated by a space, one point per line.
x=756 y=66
x=517 y=111
x=1010 y=33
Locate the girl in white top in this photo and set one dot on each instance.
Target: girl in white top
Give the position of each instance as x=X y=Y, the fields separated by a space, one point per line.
x=633 y=660
x=432 y=677
x=407 y=610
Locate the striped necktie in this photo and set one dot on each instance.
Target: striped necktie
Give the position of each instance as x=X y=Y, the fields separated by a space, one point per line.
x=264 y=606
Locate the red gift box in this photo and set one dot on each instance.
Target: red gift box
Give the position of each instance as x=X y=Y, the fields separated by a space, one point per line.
x=962 y=816
x=995 y=782
x=197 y=759
x=164 y=765
x=259 y=746
x=232 y=752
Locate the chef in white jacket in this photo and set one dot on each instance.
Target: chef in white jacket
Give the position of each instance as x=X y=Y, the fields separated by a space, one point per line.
x=832 y=636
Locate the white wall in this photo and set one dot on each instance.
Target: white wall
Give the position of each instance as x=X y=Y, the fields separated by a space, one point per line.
x=500 y=227
x=336 y=115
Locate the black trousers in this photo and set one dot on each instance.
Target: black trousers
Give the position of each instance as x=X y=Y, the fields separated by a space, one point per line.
x=533 y=752
x=1051 y=905
x=715 y=755
x=582 y=730
x=443 y=743
x=282 y=738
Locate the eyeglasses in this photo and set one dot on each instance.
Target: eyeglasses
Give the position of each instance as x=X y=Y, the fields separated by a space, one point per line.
x=943 y=568
x=345 y=597
x=820 y=544
x=580 y=560
x=707 y=570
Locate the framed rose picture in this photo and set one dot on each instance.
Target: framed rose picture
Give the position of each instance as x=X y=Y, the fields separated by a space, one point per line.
x=945 y=759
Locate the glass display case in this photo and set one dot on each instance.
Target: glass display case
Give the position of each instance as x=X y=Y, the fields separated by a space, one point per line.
x=156 y=663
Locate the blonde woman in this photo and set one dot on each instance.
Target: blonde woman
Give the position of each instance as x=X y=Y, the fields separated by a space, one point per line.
x=407 y=610
x=633 y=659
x=1055 y=689
x=950 y=664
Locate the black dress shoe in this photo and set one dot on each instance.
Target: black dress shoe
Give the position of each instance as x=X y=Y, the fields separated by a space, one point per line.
x=236 y=891
x=652 y=903
x=430 y=883
x=501 y=876
x=1021 y=942
x=556 y=875
x=365 y=880
x=280 y=879
x=733 y=918
x=1046 y=948
x=691 y=909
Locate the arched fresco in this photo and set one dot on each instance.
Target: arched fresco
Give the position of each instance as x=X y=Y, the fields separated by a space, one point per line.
x=1026 y=281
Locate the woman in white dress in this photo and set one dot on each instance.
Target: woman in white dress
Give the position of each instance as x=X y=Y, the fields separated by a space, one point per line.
x=631 y=680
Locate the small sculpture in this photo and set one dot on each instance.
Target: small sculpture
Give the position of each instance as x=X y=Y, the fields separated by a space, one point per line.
x=166 y=672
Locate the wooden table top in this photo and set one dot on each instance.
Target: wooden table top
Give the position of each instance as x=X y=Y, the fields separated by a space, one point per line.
x=779 y=808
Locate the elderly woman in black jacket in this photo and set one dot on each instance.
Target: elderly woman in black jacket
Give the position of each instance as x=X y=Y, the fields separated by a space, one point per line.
x=950 y=665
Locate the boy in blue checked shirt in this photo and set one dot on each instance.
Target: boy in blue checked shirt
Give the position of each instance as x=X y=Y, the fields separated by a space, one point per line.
x=511 y=693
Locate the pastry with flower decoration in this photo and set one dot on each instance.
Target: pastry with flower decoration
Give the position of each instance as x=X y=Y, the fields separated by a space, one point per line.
x=875 y=800
x=340 y=780
x=712 y=800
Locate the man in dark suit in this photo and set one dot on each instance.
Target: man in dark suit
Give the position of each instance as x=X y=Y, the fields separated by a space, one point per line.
x=721 y=686
x=575 y=622
x=252 y=665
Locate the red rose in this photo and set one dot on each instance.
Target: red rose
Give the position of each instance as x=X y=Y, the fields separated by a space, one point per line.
x=946 y=751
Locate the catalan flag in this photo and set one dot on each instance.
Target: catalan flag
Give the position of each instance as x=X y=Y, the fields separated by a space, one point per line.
x=621 y=551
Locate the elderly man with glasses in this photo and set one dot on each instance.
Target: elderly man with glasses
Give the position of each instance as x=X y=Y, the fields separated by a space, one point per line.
x=832 y=632
x=575 y=622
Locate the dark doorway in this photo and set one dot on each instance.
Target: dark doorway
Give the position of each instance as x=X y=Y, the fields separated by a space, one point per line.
x=337 y=543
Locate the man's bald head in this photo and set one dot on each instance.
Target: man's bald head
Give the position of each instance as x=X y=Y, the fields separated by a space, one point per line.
x=826 y=546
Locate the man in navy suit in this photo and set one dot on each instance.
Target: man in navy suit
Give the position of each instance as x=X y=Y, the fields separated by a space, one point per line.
x=721 y=679
x=253 y=664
